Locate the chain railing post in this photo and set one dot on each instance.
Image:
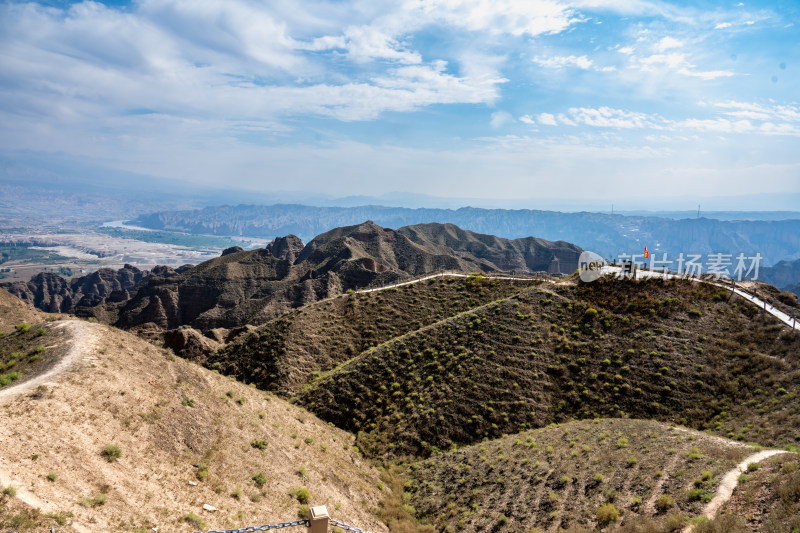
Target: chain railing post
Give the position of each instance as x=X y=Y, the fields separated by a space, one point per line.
x=318 y=522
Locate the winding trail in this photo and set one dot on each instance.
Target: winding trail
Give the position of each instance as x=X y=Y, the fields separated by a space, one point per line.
x=729 y=482
x=451 y=275
x=82 y=337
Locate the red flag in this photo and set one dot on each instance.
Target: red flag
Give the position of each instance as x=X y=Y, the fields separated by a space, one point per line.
x=646 y=253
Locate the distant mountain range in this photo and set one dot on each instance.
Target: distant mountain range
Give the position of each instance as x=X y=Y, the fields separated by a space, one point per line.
x=608 y=235
x=252 y=287
x=785 y=275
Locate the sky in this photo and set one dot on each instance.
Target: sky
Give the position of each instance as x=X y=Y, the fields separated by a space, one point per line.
x=601 y=100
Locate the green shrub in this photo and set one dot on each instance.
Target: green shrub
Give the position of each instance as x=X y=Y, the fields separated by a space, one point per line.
x=112 y=452
x=622 y=442
x=259 y=444
x=5 y=379
x=98 y=500
x=752 y=467
x=301 y=493
x=260 y=479
x=236 y=494
x=10 y=491
x=695 y=313
x=202 y=472
x=607 y=514
x=39 y=332
x=303 y=511
x=195 y=520
x=698 y=494
x=664 y=503
x=674 y=522
x=52 y=476
x=23 y=328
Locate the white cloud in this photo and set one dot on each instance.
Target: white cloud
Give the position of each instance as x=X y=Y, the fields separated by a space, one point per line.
x=706 y=75
x=547 y=119
x=531 y=17
x=789 y=113
x=677 y=62
x=365 y=43
x=667 y=43
x=527 y=119
x=231 y=60
x=723 y=25
x=627 y=50
x=672 y=60
x=739 y=118
x=581 y=62
x=500 y=119
x=607 y=117
x=564 y=119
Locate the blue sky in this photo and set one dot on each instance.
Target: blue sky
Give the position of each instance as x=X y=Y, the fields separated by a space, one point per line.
x=604 y=100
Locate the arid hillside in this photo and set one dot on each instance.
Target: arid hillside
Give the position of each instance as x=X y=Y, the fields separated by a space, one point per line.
x=589 y=474
x=126 y=437
x=673 y=351
x=481 y=405
x=13 y=311
x=285 y=353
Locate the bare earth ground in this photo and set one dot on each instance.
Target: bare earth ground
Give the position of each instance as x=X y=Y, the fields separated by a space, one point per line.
x=168 y=415
x=730 y=480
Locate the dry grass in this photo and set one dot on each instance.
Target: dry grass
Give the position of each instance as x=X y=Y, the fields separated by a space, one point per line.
x=570 y=475
x=607 y=349
x=282 y=355
x=168 y=417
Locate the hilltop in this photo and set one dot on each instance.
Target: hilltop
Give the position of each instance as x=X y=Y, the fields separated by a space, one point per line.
x=674 y=351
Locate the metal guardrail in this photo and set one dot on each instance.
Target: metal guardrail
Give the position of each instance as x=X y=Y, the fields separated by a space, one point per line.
x=346 y=527
x=318 y=522
x=265 y=527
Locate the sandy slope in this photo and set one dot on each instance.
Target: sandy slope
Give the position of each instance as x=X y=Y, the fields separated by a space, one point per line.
x=112 y=388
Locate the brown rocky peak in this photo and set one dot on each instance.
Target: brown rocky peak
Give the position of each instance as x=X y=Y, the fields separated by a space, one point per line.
x=287 y=248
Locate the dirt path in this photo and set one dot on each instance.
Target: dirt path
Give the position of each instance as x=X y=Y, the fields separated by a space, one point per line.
x=83 y=338
x=451 y=275
x=729 y=482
